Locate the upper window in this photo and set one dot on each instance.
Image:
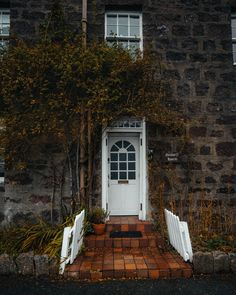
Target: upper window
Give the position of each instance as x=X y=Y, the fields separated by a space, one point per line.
x=4 y=26
x=233 y=25
x=124 y=28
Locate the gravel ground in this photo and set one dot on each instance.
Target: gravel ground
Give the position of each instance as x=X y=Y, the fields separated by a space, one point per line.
x=225 y=285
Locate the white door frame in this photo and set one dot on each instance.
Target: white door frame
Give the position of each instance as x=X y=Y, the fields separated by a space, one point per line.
x=143 y=165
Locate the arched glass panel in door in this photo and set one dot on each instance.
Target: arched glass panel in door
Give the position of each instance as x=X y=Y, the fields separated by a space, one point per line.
x=122 y=161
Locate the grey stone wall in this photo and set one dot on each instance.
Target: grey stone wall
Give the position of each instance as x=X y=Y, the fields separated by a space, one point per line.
x=193 y=40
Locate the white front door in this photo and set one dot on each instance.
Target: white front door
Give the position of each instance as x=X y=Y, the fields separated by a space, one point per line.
x=123 y=173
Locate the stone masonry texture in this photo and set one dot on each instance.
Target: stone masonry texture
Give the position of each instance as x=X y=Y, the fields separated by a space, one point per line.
x=193 y=40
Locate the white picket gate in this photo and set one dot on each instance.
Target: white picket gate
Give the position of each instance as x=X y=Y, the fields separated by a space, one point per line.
x=179 y=235
x=72 y=241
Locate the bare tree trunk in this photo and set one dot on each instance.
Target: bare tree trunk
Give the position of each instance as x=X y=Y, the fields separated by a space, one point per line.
x=53 y=194
x=77 y=171
x=62 y=180
x=83 y=120
x=82 y=180
x=90 y=159
x=84 y=23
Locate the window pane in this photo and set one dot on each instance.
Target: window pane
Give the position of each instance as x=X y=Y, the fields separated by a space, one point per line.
x=123 y=20
x=131 y=175
x=111 y=43
x=5 y=30
x=114 y=166
x=124 y=44
x=234 y=52
x=134 y=20
x=114 y=175
x=114 y=157
x=5 y=18
x=122 y=157
x=123 y=166
x=134 y=45
x=123 y=175
x=234 y=33
x=131 y=157
x=111 y=30
x=233 y=22
x=134 y=31
x=131 y=166
x=123 y=31
x=111 y=19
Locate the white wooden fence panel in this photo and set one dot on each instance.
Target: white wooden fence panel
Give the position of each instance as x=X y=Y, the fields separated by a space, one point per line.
x=72 y=241
x=179 y=235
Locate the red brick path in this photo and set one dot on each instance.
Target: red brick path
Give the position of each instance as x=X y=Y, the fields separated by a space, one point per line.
x=127 y=257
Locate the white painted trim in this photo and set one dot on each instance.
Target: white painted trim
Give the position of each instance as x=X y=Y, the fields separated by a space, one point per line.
x=104 y=169
x=143 y=165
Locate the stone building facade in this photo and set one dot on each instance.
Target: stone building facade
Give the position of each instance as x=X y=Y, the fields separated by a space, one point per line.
x=194 y=41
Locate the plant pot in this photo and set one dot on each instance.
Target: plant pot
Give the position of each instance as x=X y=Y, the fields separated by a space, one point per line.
x=99 y=229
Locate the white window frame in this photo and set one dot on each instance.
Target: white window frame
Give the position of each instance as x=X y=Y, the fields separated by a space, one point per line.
x=4 y=37
x=126 y=38
x=233 y=28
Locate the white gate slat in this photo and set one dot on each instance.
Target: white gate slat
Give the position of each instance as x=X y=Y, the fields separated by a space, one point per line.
x=64 y=249
x=72 y=241
x=179 y=235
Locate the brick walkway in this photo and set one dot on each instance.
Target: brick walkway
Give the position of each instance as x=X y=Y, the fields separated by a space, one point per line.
x=117 y=258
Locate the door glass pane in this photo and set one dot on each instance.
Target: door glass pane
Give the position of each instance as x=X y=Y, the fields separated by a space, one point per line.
x=131 y=175
x=123 y=175
x=131 y=156
x=122 y=157
x=114 y=148
x=114 y=157
x=131 y=148
x=126 y=143
x=114 y=175
x=114 y=166
x=131 y=166
x=119 y=144
x=123 y=166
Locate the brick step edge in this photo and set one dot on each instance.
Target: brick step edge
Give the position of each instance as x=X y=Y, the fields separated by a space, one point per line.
x=143 y=242
x=144 y=228
x=172 y=273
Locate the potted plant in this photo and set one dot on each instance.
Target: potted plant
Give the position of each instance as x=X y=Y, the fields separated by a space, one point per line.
x=97 y=217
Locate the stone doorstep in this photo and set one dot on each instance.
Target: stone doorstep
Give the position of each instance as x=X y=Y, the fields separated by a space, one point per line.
x=144 y=227
x=117 y=263
x=147 y=240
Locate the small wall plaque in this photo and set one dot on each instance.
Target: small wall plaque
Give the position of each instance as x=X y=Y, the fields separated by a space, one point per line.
x=172 y=157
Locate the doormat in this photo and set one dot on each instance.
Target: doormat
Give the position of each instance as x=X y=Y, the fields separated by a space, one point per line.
x=126 y=234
